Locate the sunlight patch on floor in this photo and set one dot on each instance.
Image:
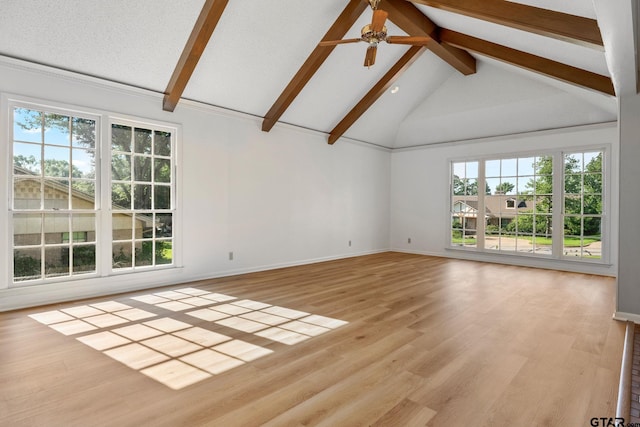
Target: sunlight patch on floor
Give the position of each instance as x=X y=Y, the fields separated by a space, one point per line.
x=177 y=353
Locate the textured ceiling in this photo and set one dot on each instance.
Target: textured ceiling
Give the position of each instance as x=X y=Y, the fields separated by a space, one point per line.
x=258 y=46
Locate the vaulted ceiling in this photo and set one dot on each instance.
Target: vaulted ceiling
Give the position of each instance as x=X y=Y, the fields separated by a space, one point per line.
x=490 y=68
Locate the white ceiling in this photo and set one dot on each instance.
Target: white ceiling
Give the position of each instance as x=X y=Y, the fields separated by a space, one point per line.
x=258 y=46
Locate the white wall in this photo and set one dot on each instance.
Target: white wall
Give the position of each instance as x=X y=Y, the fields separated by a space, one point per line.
x=274 y=199
x=628 y=307
x=420 y=192
x=284 y=197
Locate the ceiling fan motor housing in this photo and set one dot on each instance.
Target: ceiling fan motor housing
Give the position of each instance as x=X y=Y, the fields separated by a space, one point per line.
x=373 y=37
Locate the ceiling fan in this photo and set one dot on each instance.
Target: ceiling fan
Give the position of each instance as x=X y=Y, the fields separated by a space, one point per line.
x=375 y=33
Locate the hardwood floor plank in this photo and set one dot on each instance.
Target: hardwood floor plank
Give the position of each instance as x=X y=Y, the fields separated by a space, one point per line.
x=465 y=397
x=406 y=413
x=367 y=379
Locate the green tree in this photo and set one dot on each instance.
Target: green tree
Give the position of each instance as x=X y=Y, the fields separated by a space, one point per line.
x=541 y=187
x=137 y=160
x=467 y=186
x=52 y=167
x=504 y=187
x=583 y=195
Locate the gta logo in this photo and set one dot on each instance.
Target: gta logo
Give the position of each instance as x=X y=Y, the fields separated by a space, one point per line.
x=610 y=422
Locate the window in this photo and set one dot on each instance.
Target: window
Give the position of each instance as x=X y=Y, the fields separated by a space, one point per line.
x=583 y=205
x=78 y=236
x=54 y=194
x=66 y=221
x=464 y=212
x=515 y=212
x=525 y=182
x=141 y=196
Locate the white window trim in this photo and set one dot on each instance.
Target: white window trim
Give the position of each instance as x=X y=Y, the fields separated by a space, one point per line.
x=103 y=156
x=557 y=200
x=175 y=192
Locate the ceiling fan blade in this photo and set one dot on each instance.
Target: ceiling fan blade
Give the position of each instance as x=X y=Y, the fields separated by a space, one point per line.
x=335 y=42
x=414 y=40
x=370 y=57
x=379 y=18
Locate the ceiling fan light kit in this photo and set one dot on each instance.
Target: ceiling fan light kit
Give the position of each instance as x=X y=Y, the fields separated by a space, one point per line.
x=370 y=36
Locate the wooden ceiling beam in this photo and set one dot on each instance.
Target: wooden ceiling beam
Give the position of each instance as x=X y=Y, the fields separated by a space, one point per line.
x=413 y=22
x=558 y=25
x=345 y=21
x=197 y=42
x=376 y=92
x=557 y=70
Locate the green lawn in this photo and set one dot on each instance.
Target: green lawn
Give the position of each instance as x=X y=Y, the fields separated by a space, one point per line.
x=465 y=241
x=569 y=242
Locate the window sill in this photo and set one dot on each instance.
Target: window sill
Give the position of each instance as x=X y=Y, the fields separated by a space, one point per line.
x=533 y=260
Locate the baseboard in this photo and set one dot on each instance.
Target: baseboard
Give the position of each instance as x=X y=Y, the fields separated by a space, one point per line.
x=630 y=317
x=518 y=260
x=38 y=295
x=267 y=267
x=416 y=252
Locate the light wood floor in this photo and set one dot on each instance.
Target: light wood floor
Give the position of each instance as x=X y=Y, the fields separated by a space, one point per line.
x=430 y=341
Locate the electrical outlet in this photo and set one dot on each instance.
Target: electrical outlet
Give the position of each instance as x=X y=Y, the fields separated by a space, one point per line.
x=230 y=256
x=349 y=242
x=409 y=240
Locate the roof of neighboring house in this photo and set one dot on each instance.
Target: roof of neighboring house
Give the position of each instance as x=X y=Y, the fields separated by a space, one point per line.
x=56 y=185
x=496 y=204
x=53 y=183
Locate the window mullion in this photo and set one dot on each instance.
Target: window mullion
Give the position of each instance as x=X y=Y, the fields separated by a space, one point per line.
x=105 y=221
x=481 y=217
x=557 y=215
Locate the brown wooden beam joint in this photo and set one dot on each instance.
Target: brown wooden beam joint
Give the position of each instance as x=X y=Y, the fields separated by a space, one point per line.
x=197 y=42
x=413 y=22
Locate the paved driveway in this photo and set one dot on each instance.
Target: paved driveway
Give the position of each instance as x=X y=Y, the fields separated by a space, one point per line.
x=523 y=245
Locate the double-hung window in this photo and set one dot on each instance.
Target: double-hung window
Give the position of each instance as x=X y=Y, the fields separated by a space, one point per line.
x=142 y=207
x=90 y=194
x=547 y=204
x=53 y=193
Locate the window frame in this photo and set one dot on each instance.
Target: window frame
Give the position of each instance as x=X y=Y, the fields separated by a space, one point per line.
x=604 y=227
x=102 y=208
x=174 y=193
x=43 y=211
x=557 y=215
